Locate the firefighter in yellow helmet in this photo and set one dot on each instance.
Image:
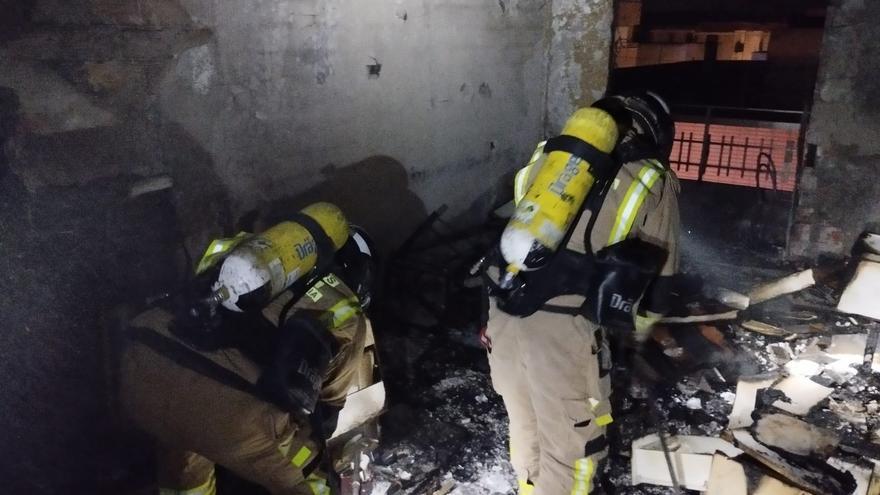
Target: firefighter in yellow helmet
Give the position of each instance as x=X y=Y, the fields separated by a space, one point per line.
x=546 y=327
x=254 y=391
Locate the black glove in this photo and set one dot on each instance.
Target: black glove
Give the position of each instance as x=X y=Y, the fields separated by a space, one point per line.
x=295 y=372
x=621 y=274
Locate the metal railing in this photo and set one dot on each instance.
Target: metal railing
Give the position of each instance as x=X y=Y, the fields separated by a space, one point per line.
x=721 y=154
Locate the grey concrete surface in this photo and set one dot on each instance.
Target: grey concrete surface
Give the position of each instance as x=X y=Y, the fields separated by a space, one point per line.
x=283 y=95
x=839 y=197
x=578 y=58
x=251 y=109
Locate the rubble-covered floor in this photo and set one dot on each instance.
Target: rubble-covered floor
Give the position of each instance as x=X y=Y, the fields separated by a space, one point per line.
x=445 y=431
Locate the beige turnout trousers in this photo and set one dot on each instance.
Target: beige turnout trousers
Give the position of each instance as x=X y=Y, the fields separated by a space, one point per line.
x=198 y=421
x=547 y=369
x=551 y=368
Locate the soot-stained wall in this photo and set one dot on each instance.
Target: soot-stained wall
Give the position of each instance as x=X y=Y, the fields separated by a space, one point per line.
x=132 y=131
x=579 y=41
x=840 y=196
x=373 y=103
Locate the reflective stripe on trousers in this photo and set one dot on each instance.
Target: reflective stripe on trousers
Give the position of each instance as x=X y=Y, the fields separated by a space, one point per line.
x=604 y=419
x=318 y=485
x=584 y=470
x=343 y=311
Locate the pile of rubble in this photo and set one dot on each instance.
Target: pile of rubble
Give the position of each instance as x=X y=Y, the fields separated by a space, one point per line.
x=779 y=391
x=765 y=392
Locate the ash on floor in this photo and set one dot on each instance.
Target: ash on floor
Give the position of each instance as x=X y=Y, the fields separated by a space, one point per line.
x=445 y=428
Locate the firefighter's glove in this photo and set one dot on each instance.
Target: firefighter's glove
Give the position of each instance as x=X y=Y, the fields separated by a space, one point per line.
x=644 y=323
x=295 y=373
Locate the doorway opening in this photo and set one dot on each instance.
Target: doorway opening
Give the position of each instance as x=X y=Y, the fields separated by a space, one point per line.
x=739 y=76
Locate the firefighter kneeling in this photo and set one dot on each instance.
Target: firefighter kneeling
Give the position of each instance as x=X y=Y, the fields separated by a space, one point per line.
x=562 y=277
x=250 y=373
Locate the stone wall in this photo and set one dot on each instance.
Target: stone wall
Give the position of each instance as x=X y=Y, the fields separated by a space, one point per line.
x=840 y=196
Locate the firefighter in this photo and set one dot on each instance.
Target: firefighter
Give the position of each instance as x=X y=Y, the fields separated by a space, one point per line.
x=258 y=394
x=548 y=352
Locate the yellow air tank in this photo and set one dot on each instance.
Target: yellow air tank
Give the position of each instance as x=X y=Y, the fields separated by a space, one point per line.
x=553 y=200
x=261 y=266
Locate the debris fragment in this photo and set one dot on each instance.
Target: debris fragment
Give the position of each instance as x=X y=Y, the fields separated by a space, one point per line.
x=862 y=474
x=772 y=486
x=731 y=298
x=803 y=367
x=808 y=480
x=692 y=460
x=792 y=283
x=361 y=407
x=694 y=403
x=860 y=296
x=780 y=352
x=746 y=396
x=446 y=487
x=802 y=394
x=728 y=315
x=727 y=477
x=840 y=372
x=874 y=485
x=802 y=316
x=849 y=410
x=870 y=349
x=763 y=328
x=795 y=436
x=869 y=242
x=705 y=386
x=852 y=349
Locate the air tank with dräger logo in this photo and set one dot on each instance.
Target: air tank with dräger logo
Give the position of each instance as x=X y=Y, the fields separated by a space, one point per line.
x=265 y=264
x=552 y=202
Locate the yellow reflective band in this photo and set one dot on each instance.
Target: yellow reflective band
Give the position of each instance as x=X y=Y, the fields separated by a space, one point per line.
x=207 y=488
x=645 y=322
x=584 y=469
x=343 y=311
x=604 y=420
x=217 y=250
x=521 y=181
x=632 y=202
x=301 y=457
x=525 y=488
x=318 y=485
x=331 y=280
x=314 y=294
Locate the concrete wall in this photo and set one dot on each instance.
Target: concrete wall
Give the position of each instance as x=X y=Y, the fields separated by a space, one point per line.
x=841 y=196
x=283 y=98
x=580 y=40
x=248 y=111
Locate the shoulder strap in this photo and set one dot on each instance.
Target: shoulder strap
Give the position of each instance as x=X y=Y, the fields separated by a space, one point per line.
x=596 y=198
x=323 y=243
x=601 y=164
x=326 y=256
x=192 y=360
x=593 y=203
